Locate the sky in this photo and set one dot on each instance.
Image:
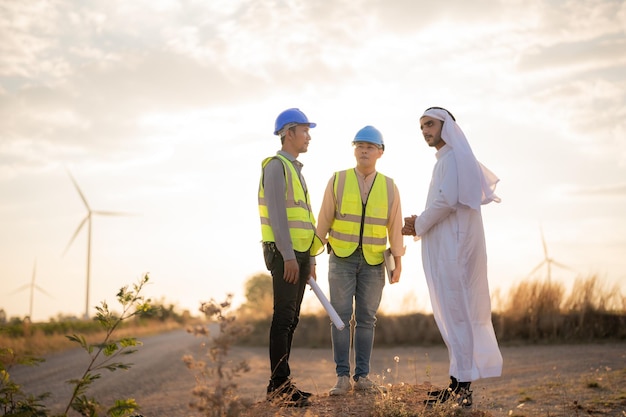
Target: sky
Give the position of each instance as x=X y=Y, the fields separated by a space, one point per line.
x=162 y=110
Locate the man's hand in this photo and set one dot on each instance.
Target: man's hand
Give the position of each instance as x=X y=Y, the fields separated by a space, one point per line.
x=409 y=226
x=292 y=271
x=395 y=275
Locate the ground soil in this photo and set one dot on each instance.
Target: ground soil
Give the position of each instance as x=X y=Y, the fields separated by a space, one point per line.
x=561 y=380
x=554 y=380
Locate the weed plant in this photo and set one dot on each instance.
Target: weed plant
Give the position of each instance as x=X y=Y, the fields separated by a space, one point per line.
x=216 y=389
x=104 y=355
x=406 y=400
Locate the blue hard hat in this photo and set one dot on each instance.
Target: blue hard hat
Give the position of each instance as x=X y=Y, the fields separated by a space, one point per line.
x=291 y=116
x=370 y=134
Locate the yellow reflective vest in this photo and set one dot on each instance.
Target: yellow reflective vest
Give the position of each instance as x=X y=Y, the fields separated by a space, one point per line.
x=300 y=218
x=358 y=223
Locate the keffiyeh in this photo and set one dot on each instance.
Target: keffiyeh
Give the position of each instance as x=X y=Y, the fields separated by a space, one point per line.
x=477 y=184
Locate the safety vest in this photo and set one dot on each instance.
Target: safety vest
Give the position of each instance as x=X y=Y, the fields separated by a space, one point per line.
x=300 y=218
x=358 y=223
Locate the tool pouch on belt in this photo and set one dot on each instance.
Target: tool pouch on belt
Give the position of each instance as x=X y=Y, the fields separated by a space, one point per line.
x=269 y=252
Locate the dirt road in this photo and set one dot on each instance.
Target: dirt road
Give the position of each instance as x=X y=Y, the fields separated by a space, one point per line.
x=537 y=380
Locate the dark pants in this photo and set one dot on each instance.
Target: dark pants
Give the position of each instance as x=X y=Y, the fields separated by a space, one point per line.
x=287 y=301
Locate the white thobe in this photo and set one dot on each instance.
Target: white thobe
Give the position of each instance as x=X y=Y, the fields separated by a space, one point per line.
x=455 y=264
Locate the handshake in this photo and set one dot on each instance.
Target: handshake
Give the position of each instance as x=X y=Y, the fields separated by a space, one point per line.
x=409 y=225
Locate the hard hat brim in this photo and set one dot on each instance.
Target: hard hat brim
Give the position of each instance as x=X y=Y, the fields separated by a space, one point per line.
x=310 y=124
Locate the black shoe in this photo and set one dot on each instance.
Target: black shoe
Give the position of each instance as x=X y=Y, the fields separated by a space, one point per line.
x=287 y=386
x=302 y=393
x=287 y=395
x=463 y=397
x=436 y=392
x=438 y=396
x=453 y=386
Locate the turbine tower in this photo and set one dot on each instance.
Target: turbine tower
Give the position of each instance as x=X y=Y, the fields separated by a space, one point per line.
x=32 y=287
x=87 y=220
x=547 y=260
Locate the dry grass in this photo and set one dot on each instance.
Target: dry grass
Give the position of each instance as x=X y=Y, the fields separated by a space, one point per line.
x=36 y=343
x=402 y=400
x=600 y=392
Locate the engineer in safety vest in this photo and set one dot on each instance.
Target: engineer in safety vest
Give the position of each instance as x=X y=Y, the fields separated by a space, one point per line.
x=361 y=208
x=289 y=242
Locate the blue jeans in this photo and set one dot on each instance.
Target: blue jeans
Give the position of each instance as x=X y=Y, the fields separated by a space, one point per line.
x=354 y=286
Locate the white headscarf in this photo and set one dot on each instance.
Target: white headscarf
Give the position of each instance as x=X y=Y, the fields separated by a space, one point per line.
x=476 y=183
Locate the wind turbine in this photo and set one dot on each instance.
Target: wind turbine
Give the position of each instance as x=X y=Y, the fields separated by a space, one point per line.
x=547 y=260
x=87 y=220
x=32 y=287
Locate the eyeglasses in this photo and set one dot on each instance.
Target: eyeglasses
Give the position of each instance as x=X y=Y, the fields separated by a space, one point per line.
x=441 y=108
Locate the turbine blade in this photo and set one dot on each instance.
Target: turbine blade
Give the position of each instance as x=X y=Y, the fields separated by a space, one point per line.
x=561 y=265
x=112 y=213
x=79 y=191
x=34 y=271
x=43 y=291
x=535 y=269
x=80 y=226
x=545 y=247
x=23 y=287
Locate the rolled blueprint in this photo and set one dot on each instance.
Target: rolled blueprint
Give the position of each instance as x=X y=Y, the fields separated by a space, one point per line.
x=334 y=317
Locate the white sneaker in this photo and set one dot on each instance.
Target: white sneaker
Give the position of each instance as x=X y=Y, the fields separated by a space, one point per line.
x=363 y=383
x=342 y=386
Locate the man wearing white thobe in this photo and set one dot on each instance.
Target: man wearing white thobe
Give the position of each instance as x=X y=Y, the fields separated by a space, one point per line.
x=454 y=256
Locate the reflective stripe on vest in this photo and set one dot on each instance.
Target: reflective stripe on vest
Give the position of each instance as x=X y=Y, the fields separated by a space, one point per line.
x=345 y=232
x=300 y=218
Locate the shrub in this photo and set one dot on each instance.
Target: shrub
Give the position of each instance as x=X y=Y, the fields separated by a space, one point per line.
x=103 y=355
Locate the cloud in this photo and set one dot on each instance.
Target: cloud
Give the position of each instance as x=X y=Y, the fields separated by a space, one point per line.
x=402 y=16
x=82 y=76
x=560 y=21
x=582 y=55
x=611 y=190
x=86 y=80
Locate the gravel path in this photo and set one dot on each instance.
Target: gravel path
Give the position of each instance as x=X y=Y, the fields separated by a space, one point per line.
x=161 y=384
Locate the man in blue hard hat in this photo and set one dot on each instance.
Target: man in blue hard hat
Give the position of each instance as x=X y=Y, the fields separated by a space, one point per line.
x=360 y=209
x=289 y=242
